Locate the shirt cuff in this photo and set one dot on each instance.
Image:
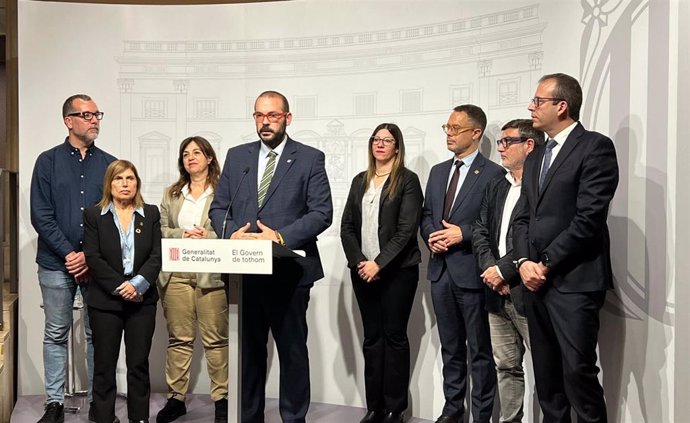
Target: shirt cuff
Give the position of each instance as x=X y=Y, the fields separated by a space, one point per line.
x=499 y=272
x=140 y=284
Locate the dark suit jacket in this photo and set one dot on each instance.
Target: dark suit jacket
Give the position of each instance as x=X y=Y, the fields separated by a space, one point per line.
x=297 y=204
x=567 y=220
x=487 y=230
x=459 y=260
x=398 y=221
x=104 y=256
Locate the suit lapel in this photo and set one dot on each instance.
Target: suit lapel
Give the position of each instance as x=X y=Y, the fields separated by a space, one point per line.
x=499 y=206
x=175 y=207
x=533 y=182
x=285 y=162
x=567 y=148
x=204 y=214
x=253 y=157
x=442 y=186
x=139 y=232
x=471 y=178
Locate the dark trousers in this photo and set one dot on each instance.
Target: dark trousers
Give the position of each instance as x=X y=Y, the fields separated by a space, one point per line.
x=385 y=306
x=563 y=330
x=138 y=323
x=279 y=305
x=463 y=325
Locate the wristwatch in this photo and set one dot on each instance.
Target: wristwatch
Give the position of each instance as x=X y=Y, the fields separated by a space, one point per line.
x=519 y=262
x=546 y=260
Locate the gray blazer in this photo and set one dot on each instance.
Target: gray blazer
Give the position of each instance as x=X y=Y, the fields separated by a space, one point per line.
x=170 y=228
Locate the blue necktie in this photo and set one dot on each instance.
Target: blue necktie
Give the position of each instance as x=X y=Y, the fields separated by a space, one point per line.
x=547 y=161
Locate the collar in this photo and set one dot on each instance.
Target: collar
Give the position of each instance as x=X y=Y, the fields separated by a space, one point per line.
x=468 y=160
x=111 y=209
x=207 y=192
x=264 y=150
x=563 y=135
x=72 y=149
x=509 y=177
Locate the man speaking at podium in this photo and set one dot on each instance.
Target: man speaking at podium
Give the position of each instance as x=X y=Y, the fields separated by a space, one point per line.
x=275 y=189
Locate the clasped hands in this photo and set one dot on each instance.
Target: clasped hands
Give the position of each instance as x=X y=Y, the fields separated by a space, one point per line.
x=128 y=292
x=368 y=271
x=441 y=240
x=494 y=281
x=264 y=232
x=198 y=232
x=533 y=274
x=76 y=266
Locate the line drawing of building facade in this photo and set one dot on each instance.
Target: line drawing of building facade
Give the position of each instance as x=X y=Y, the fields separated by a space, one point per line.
x=340 y=86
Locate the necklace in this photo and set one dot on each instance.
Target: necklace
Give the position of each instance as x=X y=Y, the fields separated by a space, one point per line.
x=382 y=175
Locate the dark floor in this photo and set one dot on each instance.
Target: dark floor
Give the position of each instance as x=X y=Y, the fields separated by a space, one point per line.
x=199 y=410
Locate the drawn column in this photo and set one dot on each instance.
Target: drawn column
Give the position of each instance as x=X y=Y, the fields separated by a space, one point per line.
x=181 y=87
x=126 y=85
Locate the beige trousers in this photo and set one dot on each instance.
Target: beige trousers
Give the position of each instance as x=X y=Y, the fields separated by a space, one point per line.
x=186 y=306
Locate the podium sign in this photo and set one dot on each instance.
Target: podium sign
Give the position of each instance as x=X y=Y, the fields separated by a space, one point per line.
x=235 y=256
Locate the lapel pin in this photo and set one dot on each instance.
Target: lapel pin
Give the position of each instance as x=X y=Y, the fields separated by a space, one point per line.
x=289 y=160
x=476 y=171
x=141 y=223
x=137 y=230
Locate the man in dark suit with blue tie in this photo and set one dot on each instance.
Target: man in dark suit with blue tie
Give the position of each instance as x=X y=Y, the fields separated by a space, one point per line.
x=451 y=206
x=286 y=198
x=561 y=240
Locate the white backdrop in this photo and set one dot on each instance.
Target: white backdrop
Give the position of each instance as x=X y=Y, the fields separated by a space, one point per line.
x=162 y=73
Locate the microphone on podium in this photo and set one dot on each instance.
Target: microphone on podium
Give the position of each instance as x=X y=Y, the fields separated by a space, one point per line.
x=227 y=211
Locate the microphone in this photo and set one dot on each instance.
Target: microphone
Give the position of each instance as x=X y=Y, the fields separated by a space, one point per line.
x=227 y=211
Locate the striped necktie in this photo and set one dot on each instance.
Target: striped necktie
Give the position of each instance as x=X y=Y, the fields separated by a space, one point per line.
x=267 y=176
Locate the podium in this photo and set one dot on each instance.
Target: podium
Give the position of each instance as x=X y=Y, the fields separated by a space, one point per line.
x=232 y=256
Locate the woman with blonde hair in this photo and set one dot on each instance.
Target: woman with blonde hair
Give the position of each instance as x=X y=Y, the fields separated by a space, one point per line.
x=122 y=245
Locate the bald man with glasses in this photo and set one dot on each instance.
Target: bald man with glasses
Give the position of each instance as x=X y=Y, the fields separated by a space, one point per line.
x=66 y=179
x=451 y=206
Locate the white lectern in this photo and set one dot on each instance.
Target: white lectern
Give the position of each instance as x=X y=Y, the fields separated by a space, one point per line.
x=233 y=256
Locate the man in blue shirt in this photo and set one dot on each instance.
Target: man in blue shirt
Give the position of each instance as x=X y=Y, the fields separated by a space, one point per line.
x=66 y=179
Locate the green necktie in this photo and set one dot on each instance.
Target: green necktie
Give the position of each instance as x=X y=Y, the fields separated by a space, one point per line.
x=267 y=176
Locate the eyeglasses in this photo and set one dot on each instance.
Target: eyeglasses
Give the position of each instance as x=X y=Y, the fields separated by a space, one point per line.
x=385 y=141
x=508 y=141
x=88 y=115
x=271 y=116
x=538 y=101
x=455 y=129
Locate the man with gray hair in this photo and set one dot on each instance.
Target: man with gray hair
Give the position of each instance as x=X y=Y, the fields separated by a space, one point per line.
x=66 y=179
x=493 y=246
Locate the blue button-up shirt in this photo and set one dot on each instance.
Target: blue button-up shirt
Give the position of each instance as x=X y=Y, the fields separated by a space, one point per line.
x=62 y=186
x=127 y=246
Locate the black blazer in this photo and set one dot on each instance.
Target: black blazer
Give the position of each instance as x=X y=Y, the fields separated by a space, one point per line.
x=104 y=256
x=485 y=238
x=398 y=221
x=567 y=219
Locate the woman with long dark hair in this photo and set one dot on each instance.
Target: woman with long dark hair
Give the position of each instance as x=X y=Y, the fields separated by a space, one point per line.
x=379 y=235
x=192 y=300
